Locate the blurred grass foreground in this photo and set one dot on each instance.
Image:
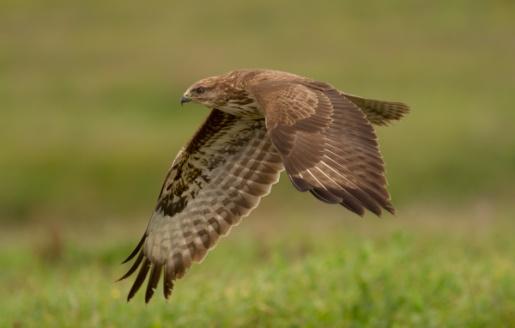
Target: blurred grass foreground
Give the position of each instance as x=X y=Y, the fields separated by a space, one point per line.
x=90 y=122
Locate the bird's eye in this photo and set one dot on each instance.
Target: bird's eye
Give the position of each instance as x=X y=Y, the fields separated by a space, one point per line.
x=199 y=90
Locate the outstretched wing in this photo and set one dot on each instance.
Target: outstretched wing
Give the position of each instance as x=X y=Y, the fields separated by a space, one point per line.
x=217 y=179
x=327 y=145
x=379 y=112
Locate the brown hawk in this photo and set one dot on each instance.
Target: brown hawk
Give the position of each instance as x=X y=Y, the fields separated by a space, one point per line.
x=261 y=122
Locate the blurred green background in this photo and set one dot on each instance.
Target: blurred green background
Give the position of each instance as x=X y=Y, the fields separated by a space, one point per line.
x=90 y=122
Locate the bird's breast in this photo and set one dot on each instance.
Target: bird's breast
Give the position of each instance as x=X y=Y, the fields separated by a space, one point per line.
x=245 y=108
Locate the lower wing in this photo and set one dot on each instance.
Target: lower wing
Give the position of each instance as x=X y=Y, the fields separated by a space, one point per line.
x=218 y=178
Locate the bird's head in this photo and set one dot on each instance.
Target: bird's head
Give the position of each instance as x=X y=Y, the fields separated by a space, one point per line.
x=211 y=92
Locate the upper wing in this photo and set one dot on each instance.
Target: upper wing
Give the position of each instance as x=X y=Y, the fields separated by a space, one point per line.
x=379 y=112
x=327 y=145
x=218 y=178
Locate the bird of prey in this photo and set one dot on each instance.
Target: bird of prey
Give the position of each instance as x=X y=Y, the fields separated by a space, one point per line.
x=261 y=123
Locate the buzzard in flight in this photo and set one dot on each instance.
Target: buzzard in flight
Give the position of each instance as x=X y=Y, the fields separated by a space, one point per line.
x=261 y=122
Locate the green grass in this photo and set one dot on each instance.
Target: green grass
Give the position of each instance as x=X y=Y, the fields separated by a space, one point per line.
x=282 y=270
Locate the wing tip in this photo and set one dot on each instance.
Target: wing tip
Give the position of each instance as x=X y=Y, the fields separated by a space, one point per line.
x=156 y=269
x=389 y=207
x=168 y=282
x=140 y=278
x=355 y=200
x=133 y=268
x=144 y=265
x=136 y=249
x=153 y=280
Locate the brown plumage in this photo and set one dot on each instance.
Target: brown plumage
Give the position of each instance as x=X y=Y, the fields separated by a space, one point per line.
x=261 y=122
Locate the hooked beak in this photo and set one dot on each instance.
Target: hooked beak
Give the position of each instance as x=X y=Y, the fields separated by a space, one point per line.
x=185 y=99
